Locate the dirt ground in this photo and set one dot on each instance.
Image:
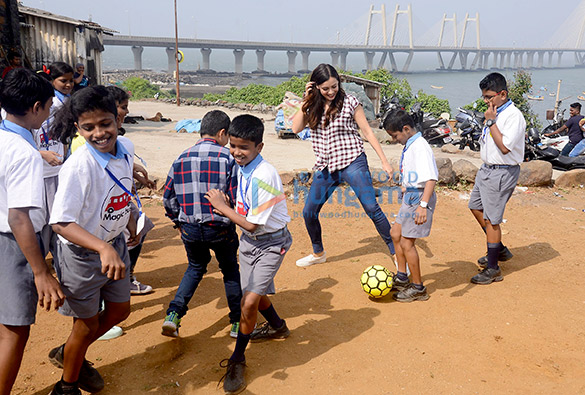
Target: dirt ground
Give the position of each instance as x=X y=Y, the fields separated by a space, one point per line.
x=523 y=335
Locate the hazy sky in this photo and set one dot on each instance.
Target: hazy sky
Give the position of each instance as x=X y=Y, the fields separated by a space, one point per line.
x=503 y=22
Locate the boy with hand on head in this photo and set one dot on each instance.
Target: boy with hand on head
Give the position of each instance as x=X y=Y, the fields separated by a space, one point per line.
x=418 y=175
x=262 y=215
x=206 y=165
x=25 y=279
x=90 y=213
x=502 y=151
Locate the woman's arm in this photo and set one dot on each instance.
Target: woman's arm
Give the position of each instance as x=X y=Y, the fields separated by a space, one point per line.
x=360 y=118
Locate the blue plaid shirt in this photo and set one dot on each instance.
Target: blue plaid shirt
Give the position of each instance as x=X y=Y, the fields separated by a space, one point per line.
x=205 y=166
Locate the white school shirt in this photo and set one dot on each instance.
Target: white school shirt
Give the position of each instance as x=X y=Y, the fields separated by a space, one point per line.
x=513 y=127
x=21 y=180
x=264 y=196
x=88 y=196
x=50 y=144
x=418 y=165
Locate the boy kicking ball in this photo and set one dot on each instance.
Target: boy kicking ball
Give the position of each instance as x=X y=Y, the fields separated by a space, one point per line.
x=418 y=177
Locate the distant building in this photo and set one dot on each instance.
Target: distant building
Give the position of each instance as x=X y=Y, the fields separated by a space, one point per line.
x=45 y=38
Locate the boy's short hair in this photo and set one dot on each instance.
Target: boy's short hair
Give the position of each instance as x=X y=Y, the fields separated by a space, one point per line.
x=494 y=82
x=577 y=106
x=213 y=122
x=13 y=54
x=91 y=99
x=21 y=89
x=247 y=127
x=118 y=94
x=397 y=119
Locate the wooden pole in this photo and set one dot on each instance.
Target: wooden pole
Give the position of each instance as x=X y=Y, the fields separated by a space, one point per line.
x=557 y=98
x=177 y=56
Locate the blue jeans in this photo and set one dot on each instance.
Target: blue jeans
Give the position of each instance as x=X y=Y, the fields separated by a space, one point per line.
x=198 y=240
x=358 y=176
x=578 y=149
x=567 y=149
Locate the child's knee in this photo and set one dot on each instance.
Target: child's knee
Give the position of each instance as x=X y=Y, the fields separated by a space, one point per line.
x=395 y=233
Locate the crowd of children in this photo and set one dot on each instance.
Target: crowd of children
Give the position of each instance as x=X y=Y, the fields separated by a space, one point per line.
x=66 y=187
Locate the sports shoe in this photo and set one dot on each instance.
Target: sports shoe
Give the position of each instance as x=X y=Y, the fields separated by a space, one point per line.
x=234 y=330
x=398 y=284
x=487 y=276
x=505 y=255
x=90 y=379
x=410 y=294
x=58 y=390
x=171 y=325
x=137 y=288
x=311 y=260
x=265 y=331
x=234 y=381
x=113 y=333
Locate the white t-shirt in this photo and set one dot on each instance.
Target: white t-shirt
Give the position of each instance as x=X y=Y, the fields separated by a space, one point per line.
x=88 y=196
x=21 y=180
x=49 y=144
x=418 y=165
x=265 y=199
x=513 y=127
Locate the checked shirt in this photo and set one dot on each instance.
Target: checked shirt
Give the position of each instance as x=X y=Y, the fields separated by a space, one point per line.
x=337 y=145
x=205 y=166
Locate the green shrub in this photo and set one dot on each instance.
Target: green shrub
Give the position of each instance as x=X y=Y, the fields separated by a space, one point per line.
x=432 y=104
x=139 y=88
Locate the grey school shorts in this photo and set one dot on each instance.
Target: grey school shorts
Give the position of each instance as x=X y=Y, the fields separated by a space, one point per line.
x=18 y=292
x=492 y=190
x=83 y=283
x=260 y=260
x=410 y=202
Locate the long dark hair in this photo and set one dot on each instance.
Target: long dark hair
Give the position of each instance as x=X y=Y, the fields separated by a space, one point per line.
x=314 y=104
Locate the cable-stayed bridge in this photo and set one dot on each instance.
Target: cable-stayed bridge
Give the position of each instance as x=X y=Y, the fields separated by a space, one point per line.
x=390 y=35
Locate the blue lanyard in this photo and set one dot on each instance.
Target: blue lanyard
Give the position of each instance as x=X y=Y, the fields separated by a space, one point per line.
x=119 y=183
x=243 y=194
x=45 y=133
x=498 y=111
x=406 y=147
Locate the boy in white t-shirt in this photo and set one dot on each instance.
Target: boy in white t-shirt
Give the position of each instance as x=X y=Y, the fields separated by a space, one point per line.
x=262 y=215
x=25 y=278
x=418 y=175
x=90 y=213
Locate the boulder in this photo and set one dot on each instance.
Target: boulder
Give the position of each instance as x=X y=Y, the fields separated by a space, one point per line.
x=359 y=92
x=382 y=136
x=446 y=173
x=465 y=170
x=535 y=173
x=450 y=149
x=571 y=178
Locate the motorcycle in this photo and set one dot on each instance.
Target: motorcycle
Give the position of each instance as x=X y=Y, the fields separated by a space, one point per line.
x=536 y=150
x=470 y=124
x=436 y=131
x=558 y=141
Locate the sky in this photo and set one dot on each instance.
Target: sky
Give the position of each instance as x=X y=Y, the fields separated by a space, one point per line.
x=528 y=23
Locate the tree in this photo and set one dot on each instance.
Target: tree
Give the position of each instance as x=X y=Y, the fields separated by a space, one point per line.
x=517 y=90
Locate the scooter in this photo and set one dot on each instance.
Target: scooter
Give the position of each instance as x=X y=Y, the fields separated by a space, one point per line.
x=470 y=123
x=536 y=150
x=560 y=140
x=436 y=131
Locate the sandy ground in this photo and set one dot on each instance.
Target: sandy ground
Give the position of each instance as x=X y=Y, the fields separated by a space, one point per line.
x=523 y=335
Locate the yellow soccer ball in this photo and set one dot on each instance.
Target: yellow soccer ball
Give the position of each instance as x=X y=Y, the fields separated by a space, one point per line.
x=376 y=281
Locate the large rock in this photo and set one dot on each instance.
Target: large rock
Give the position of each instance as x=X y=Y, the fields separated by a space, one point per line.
x=359 y=92
x=465 y=170
x=571 y=178
x=535 y=173
x=446 y=173
x=450 y=149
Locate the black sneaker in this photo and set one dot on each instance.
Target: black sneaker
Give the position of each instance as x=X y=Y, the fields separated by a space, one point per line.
x=265 y=331
x=234 y=381
x=398 y=284
x=58 y=390
x=487 y=276
x=505 y=255
x=90 y=379
x=411 y=293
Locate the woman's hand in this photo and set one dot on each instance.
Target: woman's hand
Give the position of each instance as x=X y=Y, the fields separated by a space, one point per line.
x=309 y=86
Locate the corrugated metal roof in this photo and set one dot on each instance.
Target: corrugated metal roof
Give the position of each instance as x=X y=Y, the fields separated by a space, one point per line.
x=48 y=15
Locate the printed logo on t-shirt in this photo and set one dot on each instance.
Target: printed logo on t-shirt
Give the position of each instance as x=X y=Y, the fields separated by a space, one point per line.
x=115 y=208
x=47 y=144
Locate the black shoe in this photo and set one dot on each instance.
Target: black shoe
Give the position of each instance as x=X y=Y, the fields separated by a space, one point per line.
x=410 y=294
x=234 y=381
x=487 y=276
x=398 y=284
x=505 y=255
x=265 y=331
x=90 y=379
x=58 y=390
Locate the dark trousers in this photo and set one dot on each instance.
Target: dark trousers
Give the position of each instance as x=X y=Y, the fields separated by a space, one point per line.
x=199 y=239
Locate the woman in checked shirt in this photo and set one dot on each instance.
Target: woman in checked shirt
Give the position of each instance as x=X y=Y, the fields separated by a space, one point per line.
x=334 y=118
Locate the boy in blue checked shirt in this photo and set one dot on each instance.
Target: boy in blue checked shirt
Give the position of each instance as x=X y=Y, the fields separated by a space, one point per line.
x=206 y=165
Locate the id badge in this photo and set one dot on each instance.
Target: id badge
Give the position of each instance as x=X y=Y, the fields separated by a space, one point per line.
x=240 y=209
x=140 y=223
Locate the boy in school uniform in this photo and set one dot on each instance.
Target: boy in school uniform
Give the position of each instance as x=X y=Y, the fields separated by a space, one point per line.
x=90 y=213
x=502 y=151
x=419 y=175
x=25 y=278
x=206 y=165
x=262 y=215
